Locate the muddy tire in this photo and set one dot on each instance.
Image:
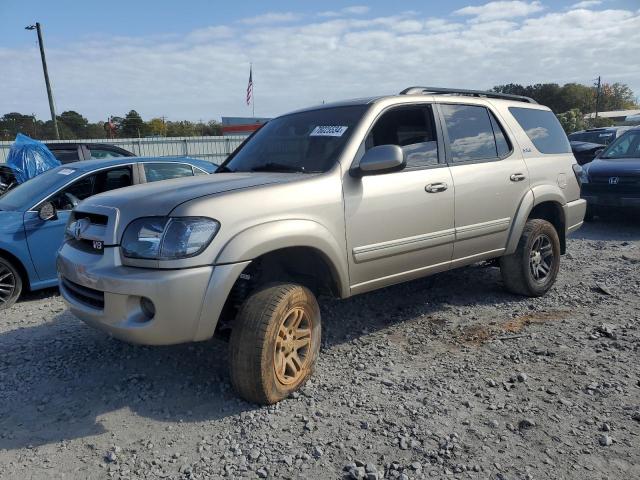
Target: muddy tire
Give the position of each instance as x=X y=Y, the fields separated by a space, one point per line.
x=275 y=341
x=10 y=283
x=532 y=269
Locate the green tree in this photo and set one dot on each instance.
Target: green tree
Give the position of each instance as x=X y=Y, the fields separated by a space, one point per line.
x=132 y=126
x=76 y=124
x=13 y=123
x=183 y=128
x=157 y=126
x=572 y=120
x=616 y=96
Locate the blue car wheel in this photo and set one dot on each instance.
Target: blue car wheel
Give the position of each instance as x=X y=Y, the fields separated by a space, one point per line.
x=10 y=284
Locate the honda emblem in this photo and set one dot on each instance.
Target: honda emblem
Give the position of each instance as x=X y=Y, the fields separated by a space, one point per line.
x=614 y=180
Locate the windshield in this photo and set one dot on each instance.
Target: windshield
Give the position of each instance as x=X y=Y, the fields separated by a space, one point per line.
x=626 y=146
x=31 y=192
x=306 y=142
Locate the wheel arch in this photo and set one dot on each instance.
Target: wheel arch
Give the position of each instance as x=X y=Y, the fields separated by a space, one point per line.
x=18 y=264
x=304 y=241
x=545 y=202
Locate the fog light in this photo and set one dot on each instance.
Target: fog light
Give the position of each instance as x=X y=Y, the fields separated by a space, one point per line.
x=148 y=308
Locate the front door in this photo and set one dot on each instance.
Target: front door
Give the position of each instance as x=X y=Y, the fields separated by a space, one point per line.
x=400 y=225
x=490 y=179
x=45 y=237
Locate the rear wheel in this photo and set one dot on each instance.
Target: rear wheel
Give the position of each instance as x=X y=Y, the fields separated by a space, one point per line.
x=10 y=284
x=275 y=341
x=532 y=269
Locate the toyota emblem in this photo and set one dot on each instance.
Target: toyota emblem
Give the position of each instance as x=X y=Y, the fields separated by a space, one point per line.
x=614 y=180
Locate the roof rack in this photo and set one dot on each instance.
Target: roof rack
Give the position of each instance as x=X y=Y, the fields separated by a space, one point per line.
x=472 y=93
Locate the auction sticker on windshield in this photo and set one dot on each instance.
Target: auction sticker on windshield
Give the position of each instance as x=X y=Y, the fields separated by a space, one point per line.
x=328 y=131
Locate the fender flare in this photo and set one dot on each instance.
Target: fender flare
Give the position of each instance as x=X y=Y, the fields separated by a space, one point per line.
x=278 y=234
x=533 y=197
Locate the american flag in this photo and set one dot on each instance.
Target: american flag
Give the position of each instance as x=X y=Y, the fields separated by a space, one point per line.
x=250 y=87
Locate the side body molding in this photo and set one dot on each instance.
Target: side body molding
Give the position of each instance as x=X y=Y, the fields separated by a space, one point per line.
x=278 y=234
x=535 y=196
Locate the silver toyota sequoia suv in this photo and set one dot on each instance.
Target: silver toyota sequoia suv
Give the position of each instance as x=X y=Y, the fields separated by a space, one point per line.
x=339 y=200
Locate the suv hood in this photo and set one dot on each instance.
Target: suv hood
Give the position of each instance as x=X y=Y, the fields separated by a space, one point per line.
x=160 y=198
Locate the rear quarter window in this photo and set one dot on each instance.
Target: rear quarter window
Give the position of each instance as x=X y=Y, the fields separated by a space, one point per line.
x=543 y=129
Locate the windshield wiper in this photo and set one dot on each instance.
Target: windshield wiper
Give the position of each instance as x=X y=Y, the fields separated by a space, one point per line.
x=278 y=167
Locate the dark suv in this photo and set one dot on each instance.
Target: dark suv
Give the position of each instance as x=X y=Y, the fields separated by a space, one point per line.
x=603 y=135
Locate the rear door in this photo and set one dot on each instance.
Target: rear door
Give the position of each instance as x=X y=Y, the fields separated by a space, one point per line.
x=400 y=225
x=45 y=237
x=490 y=179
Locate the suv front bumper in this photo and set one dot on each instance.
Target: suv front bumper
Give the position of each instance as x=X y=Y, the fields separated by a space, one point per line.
x=106 y=295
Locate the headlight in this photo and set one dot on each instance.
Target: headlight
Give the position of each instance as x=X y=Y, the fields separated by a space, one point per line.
x=168 y=238
x=581 y=173
x=584 y=176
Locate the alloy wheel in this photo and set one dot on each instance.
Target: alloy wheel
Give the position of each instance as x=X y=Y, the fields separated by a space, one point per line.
x=291 y=354
x=7 y=284
x=541 y=258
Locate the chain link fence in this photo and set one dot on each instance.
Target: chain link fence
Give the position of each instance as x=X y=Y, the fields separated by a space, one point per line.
x=213 y=149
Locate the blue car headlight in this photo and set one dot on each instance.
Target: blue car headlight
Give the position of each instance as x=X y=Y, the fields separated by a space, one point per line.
x=168 y=238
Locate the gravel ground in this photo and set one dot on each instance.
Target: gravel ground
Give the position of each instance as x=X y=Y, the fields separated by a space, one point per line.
x=445 y=377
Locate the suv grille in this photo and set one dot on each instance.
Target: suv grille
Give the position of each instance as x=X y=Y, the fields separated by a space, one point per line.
x=94 y=218
x=624 y=185
x=88 y=296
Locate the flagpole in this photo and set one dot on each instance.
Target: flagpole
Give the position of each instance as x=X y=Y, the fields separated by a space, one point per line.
x=253 y=94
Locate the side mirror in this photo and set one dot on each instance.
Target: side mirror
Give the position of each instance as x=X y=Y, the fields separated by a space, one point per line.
x=48 y=212
x=380 y=159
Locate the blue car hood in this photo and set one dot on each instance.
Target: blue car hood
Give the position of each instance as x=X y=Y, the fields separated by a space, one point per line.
x=623 y=167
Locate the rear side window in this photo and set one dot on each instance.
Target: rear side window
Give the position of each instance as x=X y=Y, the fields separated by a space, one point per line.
x=66 y=155
x=156 y=172
x=474 y=133
x=543 y=129
x=99 y=153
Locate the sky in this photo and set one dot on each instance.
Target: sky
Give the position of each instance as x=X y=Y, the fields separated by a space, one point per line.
x=190 y=60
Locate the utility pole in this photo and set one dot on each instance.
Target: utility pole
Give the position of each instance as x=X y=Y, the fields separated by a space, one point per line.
x=46 y=77
x=597 y=96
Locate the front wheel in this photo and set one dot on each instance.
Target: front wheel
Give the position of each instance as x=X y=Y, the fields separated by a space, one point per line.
x=10 y=284
x=275 y=341
x=532 y=269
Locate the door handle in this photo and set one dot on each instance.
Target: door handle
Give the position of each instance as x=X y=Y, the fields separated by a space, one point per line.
x=517 y=177
x=436 y=187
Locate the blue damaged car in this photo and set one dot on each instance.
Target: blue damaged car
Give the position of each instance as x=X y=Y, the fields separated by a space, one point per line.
x=33 y=215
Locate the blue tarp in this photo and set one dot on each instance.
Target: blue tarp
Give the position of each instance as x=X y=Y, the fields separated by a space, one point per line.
x=29 y=158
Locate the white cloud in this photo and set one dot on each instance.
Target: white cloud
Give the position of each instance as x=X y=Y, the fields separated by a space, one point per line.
x=500 y=10
x=585 y=4
x=211 y=33
x=354 y=10
x=204 y=74
x=271 y=18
